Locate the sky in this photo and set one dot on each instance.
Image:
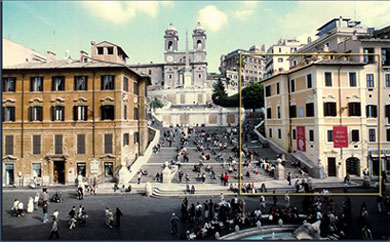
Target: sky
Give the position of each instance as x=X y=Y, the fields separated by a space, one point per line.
x=66 y=27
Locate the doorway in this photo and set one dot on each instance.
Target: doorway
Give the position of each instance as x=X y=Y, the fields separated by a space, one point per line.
x=352 y=165
x=9 y=174
x=59 y=172
x=331 y=166
x=375 y=166
x=108 y=171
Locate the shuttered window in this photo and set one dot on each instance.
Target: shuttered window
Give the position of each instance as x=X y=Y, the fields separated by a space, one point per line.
x=35 y=113
x=354 y=109
x=80 y=113
x=309 y=109
x=125 y=84
x=107 y=112
x=9 y=145
x=125 y=139
x=108 y=144
x=8 y=114
x=36 y=144
x=136 y=116
x=330 y=109
x=136 y=137
x=58 y=144
x=371 y=111
x=36 y=84
x=57 y=113
x=9 y=84
x=355 y=135
x=80 y=144
x=80 y=83
x=108 y=82
x=293 y=111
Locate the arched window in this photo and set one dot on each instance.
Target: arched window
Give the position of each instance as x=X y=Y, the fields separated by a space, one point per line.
x=199 y=44
x=170 y=45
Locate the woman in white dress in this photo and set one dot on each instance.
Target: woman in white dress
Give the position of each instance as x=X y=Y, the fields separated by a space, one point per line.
x=30 y=205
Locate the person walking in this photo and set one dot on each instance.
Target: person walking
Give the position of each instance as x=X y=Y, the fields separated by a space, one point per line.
x=118 y=215
x=289 y=178
x=139 y=178
x=55 y=214
x=80 y=192
x=180 y=175
x=110 y=219
x=45 y=196
x=45 y=209
x=54 y=229
x=36 y=201
x=20 y=209
x=30 y=205
x=174 y=221
x=287 y=199
x=275 y=198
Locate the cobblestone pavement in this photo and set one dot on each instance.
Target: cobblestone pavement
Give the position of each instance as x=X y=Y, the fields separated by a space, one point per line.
x=144 y=218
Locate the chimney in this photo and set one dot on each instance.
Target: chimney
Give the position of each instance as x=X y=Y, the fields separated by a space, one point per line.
x=83 y=56
x=93 y=49
x=51 y=56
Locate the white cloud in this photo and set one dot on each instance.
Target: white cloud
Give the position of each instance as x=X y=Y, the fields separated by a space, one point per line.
x=121 y=12
x=245 y=10
x=310 y=15
x=212 y=18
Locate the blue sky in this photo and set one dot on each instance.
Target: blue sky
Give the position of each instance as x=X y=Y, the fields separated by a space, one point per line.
x=138 y=27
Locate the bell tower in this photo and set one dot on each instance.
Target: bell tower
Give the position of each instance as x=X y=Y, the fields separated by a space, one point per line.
x=171 y=39
x=199 y=43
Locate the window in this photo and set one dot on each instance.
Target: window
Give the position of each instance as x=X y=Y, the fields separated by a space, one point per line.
x=36 y=145
x=328 y=79
x=292 y=85
x=309 y=82
x=136 y=137
x=352 y=79
x=309 y=109
x=125 y=84
x=372 y=135
x=125 y=139
x=58 y=144
x=37 y=170
x=107 y=112
x=293 y=111
x=100 y=50
x=80 y=83
x=9 y=84
x=36 y=84
x=294 y=134
x=125 y=112
x=330 y=109
x=370 y=80
x=35 y=113
x=58 y=83
x=386 y=56
x=270 y=133
x=279 y=133
x=278 y=112
x=368 y=59
x=277 y=88
x=9 y=145
x=355 y=135
x=280 y=50
x=269 y=113
x=8 y=114
x=268 y=91
x=330 y=135
x=371 y=111
x=354 y=109
x=80 y=113
x=136 y=114
x=311 y=135
x=136 y=88
x=388 y=135
x=58 y=113
x=280 y=59
x=108 y=144
x=387 y=80
x=80 y=144
x=107 y=82
x=110 y=50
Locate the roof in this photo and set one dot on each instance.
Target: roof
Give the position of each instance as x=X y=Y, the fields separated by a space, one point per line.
x=119 y=48
x=345 y=19
x=70 y=64
x=318 y=63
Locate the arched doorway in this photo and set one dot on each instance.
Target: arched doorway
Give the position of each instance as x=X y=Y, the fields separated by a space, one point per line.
x=353 y=165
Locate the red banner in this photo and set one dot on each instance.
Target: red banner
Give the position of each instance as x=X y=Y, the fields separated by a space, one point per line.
x=301 y=140
x=340 y=137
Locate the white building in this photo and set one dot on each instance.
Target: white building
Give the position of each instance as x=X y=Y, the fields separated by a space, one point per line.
x=14 y=53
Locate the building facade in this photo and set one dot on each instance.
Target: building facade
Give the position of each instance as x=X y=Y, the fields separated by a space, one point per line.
x=276 y=64
x=14 y=53
x=63 y=118
x=342 y=35
x=252 y=66
x=306 y=107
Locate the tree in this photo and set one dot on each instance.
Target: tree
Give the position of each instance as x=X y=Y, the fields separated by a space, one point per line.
x=156 y=103
x=221 y=98
x=253 y=96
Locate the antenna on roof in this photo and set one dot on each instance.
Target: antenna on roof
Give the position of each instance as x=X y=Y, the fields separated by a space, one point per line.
x=354 y=10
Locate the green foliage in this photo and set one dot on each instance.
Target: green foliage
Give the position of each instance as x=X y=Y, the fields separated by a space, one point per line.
x=221 y=98
x=156 y=103
x=253 y=96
